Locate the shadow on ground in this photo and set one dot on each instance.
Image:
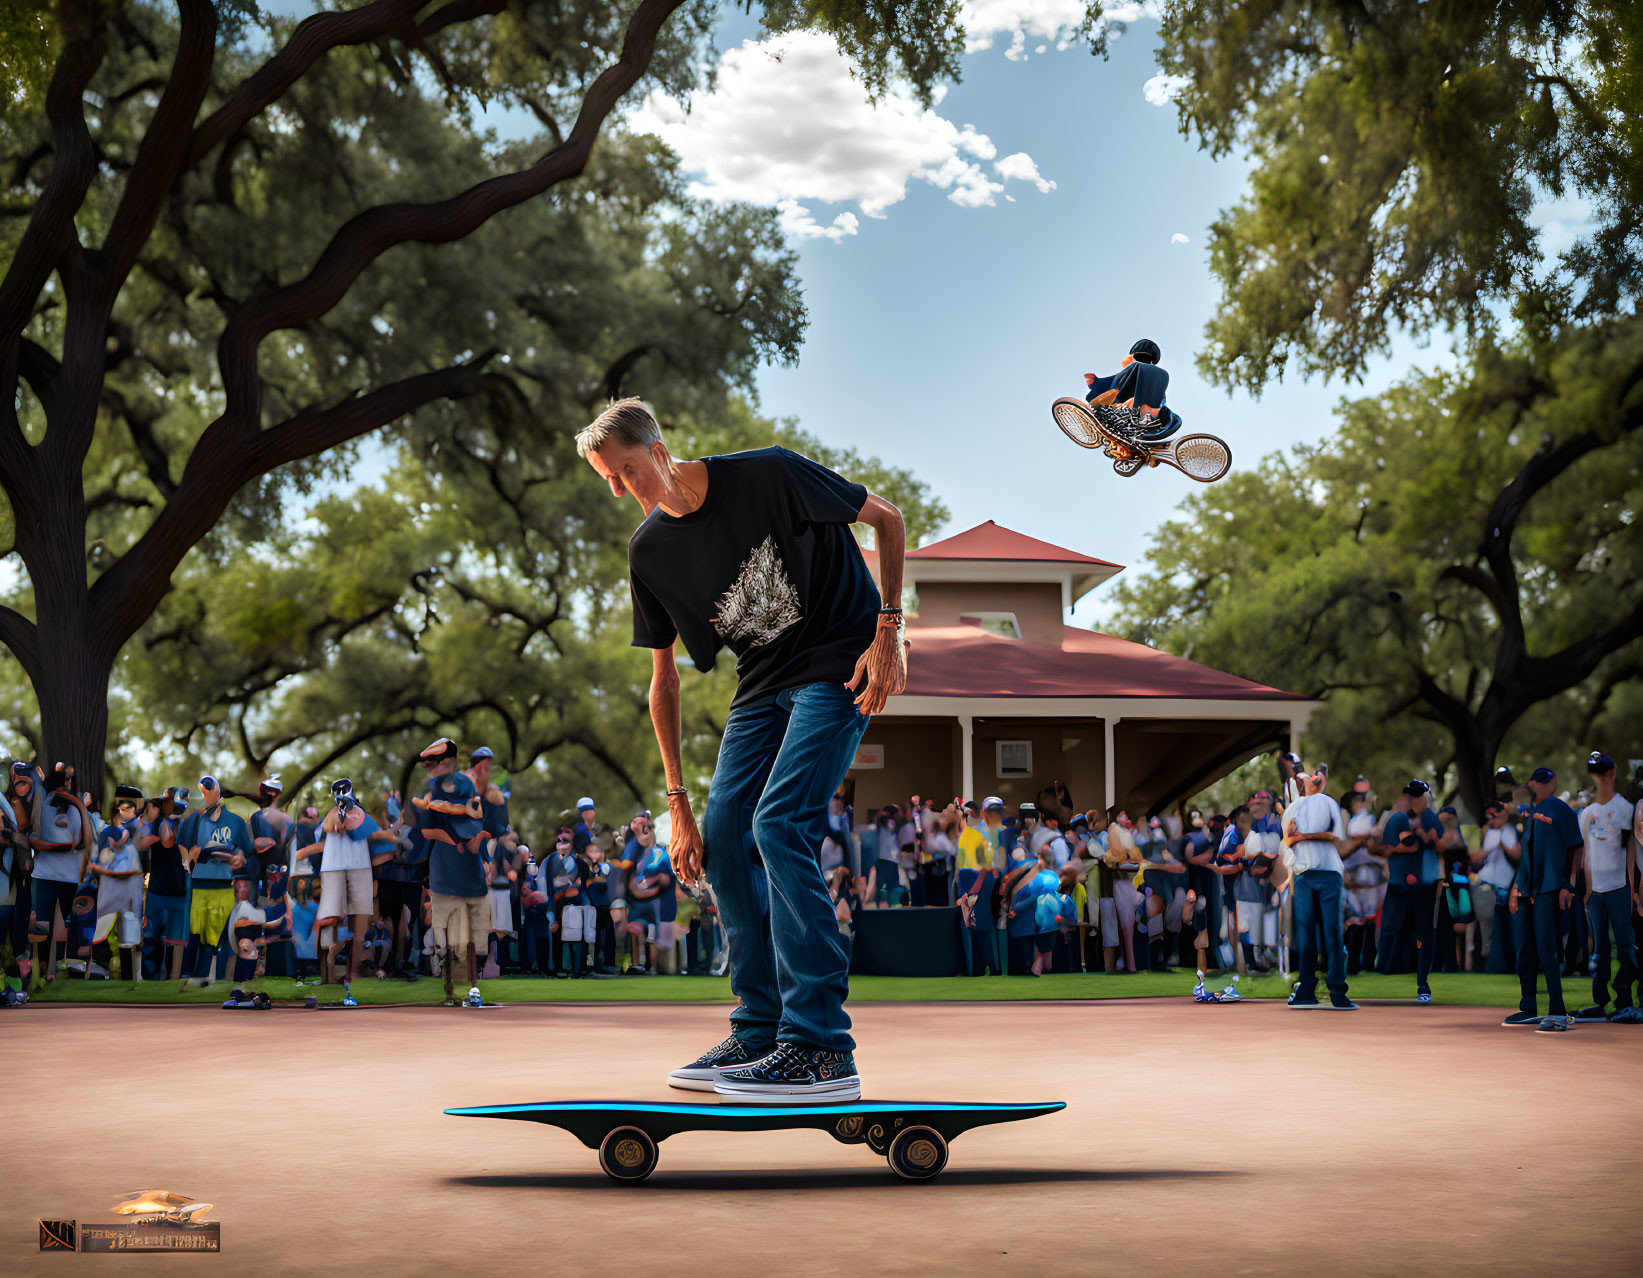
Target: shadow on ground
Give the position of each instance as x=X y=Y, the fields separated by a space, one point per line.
x=830 y=1178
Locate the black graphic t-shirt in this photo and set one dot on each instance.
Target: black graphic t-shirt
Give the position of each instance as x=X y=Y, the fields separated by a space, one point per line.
x=766 y=567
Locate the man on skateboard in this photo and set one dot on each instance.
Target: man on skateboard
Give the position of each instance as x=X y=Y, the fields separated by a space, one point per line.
x=753 y=552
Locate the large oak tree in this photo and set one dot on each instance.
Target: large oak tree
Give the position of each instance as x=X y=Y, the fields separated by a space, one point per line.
x=1465 y=550
x=218 y=223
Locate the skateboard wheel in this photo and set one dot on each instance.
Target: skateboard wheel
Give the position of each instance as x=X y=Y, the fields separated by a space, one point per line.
x=918 y=1153
x=627 y=1155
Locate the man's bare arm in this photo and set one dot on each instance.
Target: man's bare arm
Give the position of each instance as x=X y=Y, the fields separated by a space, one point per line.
x=881 y=671
x=664 y=713
x=685 y=845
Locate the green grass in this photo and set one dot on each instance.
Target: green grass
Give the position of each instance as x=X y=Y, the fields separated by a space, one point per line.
x=1472 y=989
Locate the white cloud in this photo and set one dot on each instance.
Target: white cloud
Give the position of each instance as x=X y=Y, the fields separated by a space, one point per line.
x=1161 y=89
x=1178 y=238
x=1051 y=21
x=800 y=223
x=1020 y=167
x=779 y=133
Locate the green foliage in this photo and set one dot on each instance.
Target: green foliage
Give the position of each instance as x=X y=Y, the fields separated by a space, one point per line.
x=1399 y=150
x=479 y=590
x=1354 y=568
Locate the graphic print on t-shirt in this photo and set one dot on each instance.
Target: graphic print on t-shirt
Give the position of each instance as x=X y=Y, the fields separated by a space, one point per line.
x=761 y=602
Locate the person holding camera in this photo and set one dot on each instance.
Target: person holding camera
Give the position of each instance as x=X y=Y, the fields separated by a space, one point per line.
x=1542 y=890
x=345 y=893
x=1409 y=843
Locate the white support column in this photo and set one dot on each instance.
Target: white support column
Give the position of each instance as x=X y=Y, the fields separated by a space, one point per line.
x=1066 y=597
x=1109 y=762
x=966 y=726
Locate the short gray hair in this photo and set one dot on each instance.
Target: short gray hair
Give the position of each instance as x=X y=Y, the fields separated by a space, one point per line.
x=627 y=422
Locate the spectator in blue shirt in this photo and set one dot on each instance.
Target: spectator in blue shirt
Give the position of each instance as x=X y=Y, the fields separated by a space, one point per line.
x=1409 y=843
x=216 y=844
x=1020 y=923
x=1034 y=930
x=456 y=872
x=653 y=902
x=536 y=910
x=1541 y=891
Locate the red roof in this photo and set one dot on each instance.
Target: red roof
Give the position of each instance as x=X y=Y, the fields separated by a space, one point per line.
x=964 y=661
x=993 y=541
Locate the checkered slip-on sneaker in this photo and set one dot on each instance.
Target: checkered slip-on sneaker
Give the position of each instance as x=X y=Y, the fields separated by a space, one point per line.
x=794 y=1073
x=704 y=1071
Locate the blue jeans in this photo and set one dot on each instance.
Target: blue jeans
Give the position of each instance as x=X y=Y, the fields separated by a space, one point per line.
x=1606 y=910
x=1412 y=904
x=779 y=763
x=1537 y=924
x=1317 y=910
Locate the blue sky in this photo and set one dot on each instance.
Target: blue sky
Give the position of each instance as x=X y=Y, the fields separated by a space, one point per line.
x=941 y=329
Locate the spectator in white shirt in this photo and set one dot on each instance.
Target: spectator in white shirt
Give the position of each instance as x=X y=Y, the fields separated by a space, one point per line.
x=1315 y=834
x=1611 y=891
x=1494 y=870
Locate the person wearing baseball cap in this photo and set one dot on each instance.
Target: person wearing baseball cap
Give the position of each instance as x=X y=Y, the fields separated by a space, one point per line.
x=448 y=817
x=1611 y=874
x=1409 y=843
x=1542 y=890
x=587 y=827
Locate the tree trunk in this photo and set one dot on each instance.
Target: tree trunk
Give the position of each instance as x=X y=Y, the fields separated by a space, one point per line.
x=70 y=668
x=72 y=689
x=1474 y=768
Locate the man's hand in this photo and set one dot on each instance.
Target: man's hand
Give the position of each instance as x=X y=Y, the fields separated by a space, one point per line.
x=685 y=845
x=881 y=671
x=1511 y=902
x=236 y=861
x=1565 y=898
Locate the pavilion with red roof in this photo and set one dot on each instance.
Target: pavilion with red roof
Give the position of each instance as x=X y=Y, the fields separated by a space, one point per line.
x=1004 y=697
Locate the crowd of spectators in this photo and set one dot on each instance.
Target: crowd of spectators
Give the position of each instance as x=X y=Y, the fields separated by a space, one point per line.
x=1048 y=887
x=186 y=887
x=182 y=886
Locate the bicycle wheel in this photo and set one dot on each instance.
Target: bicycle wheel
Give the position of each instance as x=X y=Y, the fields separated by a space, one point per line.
x=1203 y=457
x=1076 y=423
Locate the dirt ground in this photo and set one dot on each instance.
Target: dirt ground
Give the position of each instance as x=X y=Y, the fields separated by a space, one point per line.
x=1196 y=1140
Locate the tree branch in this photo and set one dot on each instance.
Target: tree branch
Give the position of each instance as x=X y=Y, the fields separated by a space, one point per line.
x=51 y=230
x=21 y=636
x=311 y=41
x=164 y=149
x=40 y=370
x=371 y=233
x=1480 y=581
x=124 y=596
x=233 y=450
x=611 y=387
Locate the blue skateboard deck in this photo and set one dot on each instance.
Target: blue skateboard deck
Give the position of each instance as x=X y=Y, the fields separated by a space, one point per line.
x=912 y=1135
